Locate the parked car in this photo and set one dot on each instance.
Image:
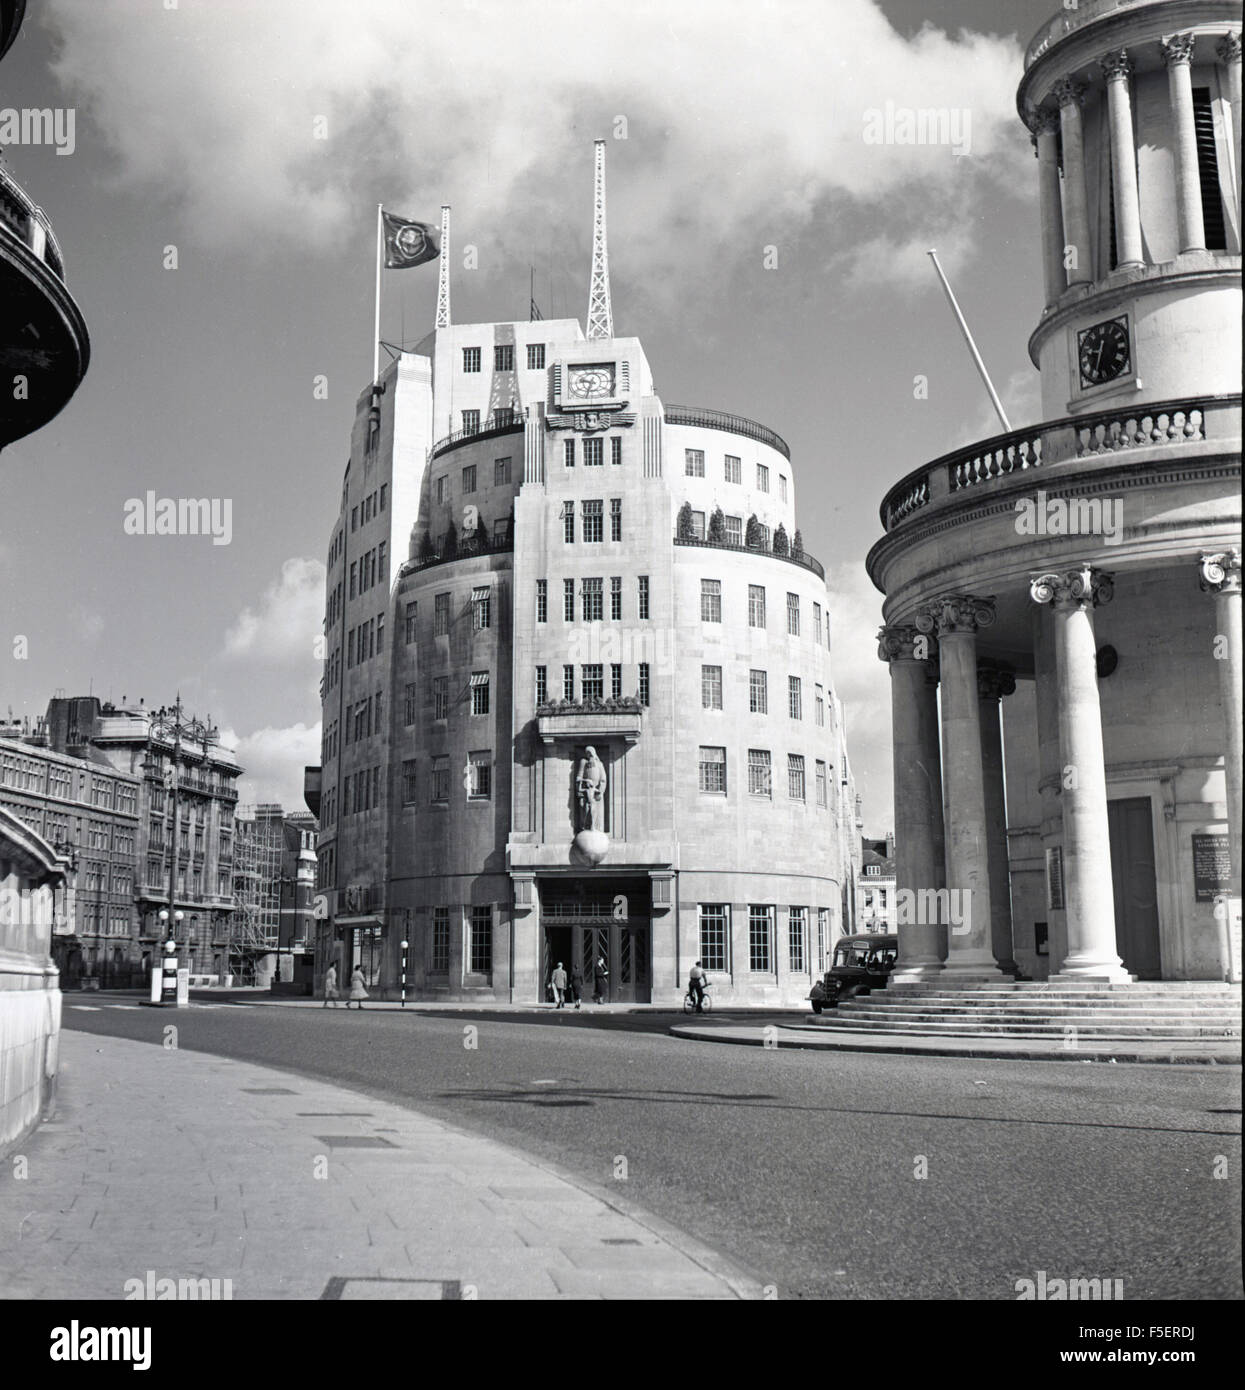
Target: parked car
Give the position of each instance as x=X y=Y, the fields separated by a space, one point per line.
x=859 y=964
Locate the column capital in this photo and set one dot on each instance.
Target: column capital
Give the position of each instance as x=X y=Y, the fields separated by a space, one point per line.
x=902 y=642
x=1178 y=50
x=1228 y=49
x=1116 y=66
x=1220 y=572
x=1083 y=587
x=956 y=613
x=1068 y=92
x=993 y=683
x=1044 y=120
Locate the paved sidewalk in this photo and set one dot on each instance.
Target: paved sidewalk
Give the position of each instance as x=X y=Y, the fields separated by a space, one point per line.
x=1035 y=1047
x=194 y=1166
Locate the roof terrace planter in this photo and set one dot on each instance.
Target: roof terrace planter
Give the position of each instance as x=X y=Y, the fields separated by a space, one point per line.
x=1160 y=424
x=619 y=717
x=453 y=441
x=722 y=420
x=803 y=561
x=467 y=550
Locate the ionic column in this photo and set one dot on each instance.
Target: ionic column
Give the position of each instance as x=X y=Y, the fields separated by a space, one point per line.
x=1046 y=692
x=1178 y=55
x=992 y=685
x=1069 y=95
x=1050 y=202
x=1092 y=951
x=1116 y=67
x=1221 y=574
x=956 y=620
x=918 y=798
x=1228 y=51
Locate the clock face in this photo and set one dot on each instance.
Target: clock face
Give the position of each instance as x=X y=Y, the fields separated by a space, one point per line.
x=591 y=383
x=1103 y=351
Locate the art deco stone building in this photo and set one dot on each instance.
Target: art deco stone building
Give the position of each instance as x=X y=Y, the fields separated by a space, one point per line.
x=555 y=729
x=1084 y=575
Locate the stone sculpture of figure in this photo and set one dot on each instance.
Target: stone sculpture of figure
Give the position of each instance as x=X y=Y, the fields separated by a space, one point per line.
x=590 y=791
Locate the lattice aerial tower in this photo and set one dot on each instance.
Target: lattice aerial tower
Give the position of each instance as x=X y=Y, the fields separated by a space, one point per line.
x=600 y=316
x=443 y=281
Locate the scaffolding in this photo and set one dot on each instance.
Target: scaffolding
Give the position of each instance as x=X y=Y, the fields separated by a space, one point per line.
x=258 y=848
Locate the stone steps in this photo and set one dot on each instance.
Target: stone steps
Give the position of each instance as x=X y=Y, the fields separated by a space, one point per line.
x=1016 y=1028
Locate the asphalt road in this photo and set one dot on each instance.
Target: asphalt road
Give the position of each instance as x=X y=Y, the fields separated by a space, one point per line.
x=805 y=1167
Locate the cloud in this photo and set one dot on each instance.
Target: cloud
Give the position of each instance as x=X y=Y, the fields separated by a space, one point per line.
x=273 y=760
x=288 y=619
x=746 y=122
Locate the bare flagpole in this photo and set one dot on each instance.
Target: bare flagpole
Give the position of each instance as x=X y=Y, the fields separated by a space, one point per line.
x=972 y=346
x=376 y=321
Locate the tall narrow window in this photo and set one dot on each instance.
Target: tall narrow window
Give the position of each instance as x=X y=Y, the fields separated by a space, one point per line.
x=441 y=697
x=471 y=422
x=733 y=530
x=568 y=600
x=715 y=935
x=694 y=463
x=817 y=623
x=644 y=683
x=616 y=679
x=501 y=472
x=795 y=699
x=410 y=704
x=542 y=600
x=616 y=449
x=782 y=487
x=441 y=777
x=439 y=954
x=535 y=357
x=542 y=685
x=710 y=600
x=568 y=453
x=795 y=776
x=441 y=615
x=756 y=605
x=762 y=478
x=734 y=469
x=616 y=598
x=481 y=940
x=412 y=613
x=760 y=923
x=479 y=692
x=568 y=522
x=615 y=518
x=711 y=687
x=1208 y=169
x=797 y=922
x=793 y=615
x=471 y=359
x=408 y=782
x=759 y=781
x=594 y=521
x=643 y=596
x=568 y=683
x=821 y=783
x=594 y=451
x=593 y=601
x=758 y=692
x=469 y=478
x=479 y=776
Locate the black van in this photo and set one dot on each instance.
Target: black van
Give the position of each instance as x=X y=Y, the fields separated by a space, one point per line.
x=860 y=963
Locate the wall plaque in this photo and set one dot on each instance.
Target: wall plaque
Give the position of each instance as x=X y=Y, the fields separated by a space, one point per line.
x=1054 y=878
x=1212 y=866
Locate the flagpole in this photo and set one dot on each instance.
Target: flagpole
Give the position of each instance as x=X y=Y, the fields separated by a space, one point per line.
x=972 y=346
x=376 y=321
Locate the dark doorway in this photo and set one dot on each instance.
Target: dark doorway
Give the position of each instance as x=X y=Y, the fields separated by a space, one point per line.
x=584 y=919
x=558 y=947
x=1136 y=887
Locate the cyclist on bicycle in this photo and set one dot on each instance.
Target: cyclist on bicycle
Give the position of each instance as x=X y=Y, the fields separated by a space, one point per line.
x=697 y=979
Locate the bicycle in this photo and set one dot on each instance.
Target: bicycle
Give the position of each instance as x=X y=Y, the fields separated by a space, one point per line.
x=706 y=1003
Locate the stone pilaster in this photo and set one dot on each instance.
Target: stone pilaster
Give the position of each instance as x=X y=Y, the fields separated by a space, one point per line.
x=1220 y=574
x=1045 y=126
x=1178 y=55
x=1092 y=952
x=1046 y=692
x=1228 y=51
x=1069 y=95
x=1117 y=68
x=992 y=685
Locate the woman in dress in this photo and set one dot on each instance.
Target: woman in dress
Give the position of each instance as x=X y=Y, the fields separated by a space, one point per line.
x=330 y=987
x=358 y=988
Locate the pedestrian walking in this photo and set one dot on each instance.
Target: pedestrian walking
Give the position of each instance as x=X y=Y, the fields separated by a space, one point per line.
x=599 y=977
x=577 y=984
x=330 y=987
x=559 y=985
x=358 y=988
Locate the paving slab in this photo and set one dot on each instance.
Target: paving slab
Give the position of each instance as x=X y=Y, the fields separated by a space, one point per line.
x=196 y=1167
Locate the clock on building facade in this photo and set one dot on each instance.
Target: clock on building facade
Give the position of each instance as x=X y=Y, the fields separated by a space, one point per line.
x=1103 y=351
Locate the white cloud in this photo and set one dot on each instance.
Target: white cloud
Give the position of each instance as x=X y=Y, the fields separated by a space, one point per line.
x=288 y=619
x=273 y=760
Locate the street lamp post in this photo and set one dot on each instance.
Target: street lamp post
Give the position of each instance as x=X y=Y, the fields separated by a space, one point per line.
x=405 y=944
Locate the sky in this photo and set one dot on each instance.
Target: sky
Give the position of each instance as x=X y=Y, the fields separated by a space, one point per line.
x=765 y=245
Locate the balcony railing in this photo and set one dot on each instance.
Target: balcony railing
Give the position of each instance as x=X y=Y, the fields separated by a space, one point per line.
x=1160 y=424
x=805 y=561
x=29 y=223
x=489 y=431
x=732 y=424
x=501 y=541
x=1074 y=17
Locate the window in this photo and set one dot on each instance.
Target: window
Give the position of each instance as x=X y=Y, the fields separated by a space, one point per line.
x=412 y=613
x=713 y=771
x=442 y=487
x=643 y=596
x=756 y=605
x=795 y=699
x=694 y=463
x=819 y=707
x=795 y=776
x=615 y=518
x=501 y=472
x=542 y=685
x=441 y=777
x=758 y=693
x=616 y=680
x=471 y=422
x=469 y=478
x=568 y=600
x=698 y=525
x=593 y=601
x=710 y=600
x=594 y=452
x=439 y=956
x=733 y=530
x=479 y=776
x=408 y=781
x=760 y=919
x=782 y=487
x=734 y=471
x=471 y=359
x=711 y=687
x=823 y=932
x=759 y=772
x=481 y=940
x=793 y=615
x=827 y=627
x=542 y=600
x=568 y=682
x=479 y=692
x=568 y=523
x=817 y=623
x=441 y=615
x=1208 y=170
x=440 y=697
x=762 y=478
x=616 y=598
x=354 y=569
x=503 y=357
x=568 y=453
x=592 y=681
x=644 y=683
x=535 y=357
x=410 y=704
x=594 y=521
x=616 y=450
x=384 y=494
x=481 y=608
x=380 y=632
x=714 y=935
x=354 y=518
x=797 y=924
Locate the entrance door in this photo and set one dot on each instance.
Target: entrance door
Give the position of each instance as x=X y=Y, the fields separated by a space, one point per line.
x=1136 y=888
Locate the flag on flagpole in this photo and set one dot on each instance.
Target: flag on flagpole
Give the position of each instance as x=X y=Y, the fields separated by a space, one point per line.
x=534 y=312
x=408 y=243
